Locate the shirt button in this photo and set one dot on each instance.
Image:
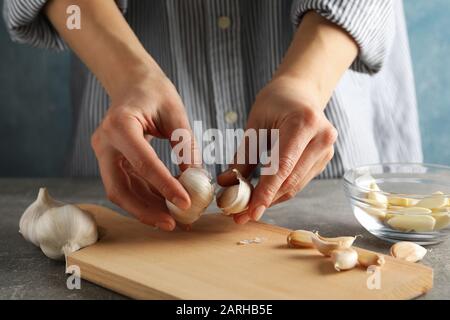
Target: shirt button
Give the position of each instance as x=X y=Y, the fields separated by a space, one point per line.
x=231 y=117
x=224 y=22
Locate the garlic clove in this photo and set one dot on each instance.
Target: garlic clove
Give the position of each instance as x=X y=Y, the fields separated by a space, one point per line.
x=65 y=229
x=376 y=213
x=368 y=258
x=32 y=214
x=300 y=239
x=408 y=223
x=442 y=220
x=408 y=251
x=235 y=199
x=326 y=245
x=344 y=259
x=197 y=183
x=414 y=210
x=401 y=201
x=376 y=197
x=438 y=200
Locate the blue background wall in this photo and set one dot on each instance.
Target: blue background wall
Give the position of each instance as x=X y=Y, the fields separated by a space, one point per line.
x=34 y=95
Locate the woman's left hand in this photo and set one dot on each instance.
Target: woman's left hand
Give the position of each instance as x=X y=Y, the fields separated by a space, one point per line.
x=306 y=141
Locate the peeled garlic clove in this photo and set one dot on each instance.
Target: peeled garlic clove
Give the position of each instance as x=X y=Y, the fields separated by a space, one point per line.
x=408 y=251
x=375 y=197
x=408 y=223
x=402 y=201
x=65 y=229
x=344 y=259
x=34 y=212
x=378 y=214
x=326 y=245
x=442 y=220
x=197 y=183
x=438 y=200
x=367 y=259
x=414 y=210
x=235 y=199
x=300 y=239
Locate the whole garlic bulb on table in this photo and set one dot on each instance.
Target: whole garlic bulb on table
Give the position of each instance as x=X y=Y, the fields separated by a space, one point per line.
x=57 y=228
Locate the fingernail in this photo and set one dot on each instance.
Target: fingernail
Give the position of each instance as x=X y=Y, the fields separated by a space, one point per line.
x=180 y=203
x=258 y=212
x=166 y=226
x=242 y=219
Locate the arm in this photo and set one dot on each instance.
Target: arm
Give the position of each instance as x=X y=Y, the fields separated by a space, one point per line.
x=293 y=102
x=134 y=177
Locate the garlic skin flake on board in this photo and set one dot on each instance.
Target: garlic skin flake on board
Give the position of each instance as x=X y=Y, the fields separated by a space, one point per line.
x=58 y=229
x=197 y=183
x=235 y=199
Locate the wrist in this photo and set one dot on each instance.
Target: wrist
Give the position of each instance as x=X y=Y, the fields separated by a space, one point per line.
x=131 y=77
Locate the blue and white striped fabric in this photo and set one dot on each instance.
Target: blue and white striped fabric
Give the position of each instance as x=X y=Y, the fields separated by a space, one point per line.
x=220 y=69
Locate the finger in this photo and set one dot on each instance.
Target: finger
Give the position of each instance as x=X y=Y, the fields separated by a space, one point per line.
x=245 y=159
x=318 y=149
x=117 y=184
x=241 y=218
x=127 y=136
x=142 y=183
x=293 y=139
x=317 y=168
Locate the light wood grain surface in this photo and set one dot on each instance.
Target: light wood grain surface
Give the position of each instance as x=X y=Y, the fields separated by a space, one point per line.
x=206 y=263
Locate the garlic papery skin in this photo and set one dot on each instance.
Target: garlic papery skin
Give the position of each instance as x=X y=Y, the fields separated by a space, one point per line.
x=344 y=259
x=235 y=199
x=326 y=245
x=34 y=212
x=197 y=183
x=63 y=230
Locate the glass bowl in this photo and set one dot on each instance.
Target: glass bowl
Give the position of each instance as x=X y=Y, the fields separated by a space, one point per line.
x=401 y=201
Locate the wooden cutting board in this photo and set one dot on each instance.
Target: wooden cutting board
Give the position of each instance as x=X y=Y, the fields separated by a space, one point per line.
x=207 y=263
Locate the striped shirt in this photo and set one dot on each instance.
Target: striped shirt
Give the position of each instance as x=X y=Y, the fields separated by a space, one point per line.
x=220 y=53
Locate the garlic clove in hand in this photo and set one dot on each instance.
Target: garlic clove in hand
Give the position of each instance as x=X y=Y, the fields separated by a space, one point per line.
x=235 y=199
x=63 y=230
x=34 y=212
x=197 y=183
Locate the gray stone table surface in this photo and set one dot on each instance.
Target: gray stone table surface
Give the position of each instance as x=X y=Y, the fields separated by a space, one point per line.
x=25 y=273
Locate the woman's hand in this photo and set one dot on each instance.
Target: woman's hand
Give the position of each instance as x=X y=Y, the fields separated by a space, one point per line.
x=293 y=102
x=134 y=177
x=306 y=140
x=144 y=104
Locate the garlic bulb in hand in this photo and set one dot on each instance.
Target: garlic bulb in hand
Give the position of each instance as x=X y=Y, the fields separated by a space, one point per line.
x=235 y=199
x=56 y=228
x=34 y=212
x=64 y=230
x=197 y=183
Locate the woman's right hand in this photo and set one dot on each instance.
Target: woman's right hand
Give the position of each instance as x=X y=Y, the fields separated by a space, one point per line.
x=134 y=177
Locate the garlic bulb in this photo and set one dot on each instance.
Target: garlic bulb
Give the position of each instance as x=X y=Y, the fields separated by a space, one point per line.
x=34 y=212
x=65 y=229
x=235 y=199
x=197 y=183
x=56 y=228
